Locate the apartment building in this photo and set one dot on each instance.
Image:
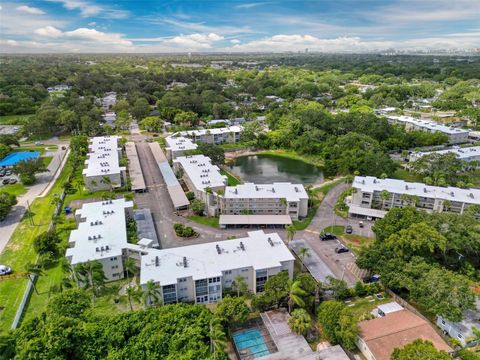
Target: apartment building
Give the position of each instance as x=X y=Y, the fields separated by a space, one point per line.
x=465 y=154
x=102 y=166
x=223 y=135
x=265 y=199
x=176 y=146
x=374 y=197
x=455 y=135
x=463 y=330
x=202 y=178
x=101 y=236
x=199 y=273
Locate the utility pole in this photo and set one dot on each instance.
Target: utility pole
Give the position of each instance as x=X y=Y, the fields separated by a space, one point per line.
x=30 y=215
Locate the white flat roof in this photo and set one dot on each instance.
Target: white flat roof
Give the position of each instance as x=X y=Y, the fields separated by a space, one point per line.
x=105 y=230
x=390 y=307
x=430 y=125
x=255 y=220
x=358 y=210
x=201 y=171
x=461 y=153
x=201 y=132
x=289 y=191
x=103 y=157
x=204 y=261
x=180 y=143
x=371 y=184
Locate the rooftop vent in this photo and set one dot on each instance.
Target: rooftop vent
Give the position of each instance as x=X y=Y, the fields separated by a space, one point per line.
x=406 y=187
x=219 y=251
x=242 y=246
x=157 y=261
x=107 y=247
x=185 y=263
x=89 y=238
x=97 y=249
x=452 y=194
x=471 y=195
x=270 y=241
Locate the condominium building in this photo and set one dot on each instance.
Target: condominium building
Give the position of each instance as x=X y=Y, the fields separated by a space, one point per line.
x=229 y=134
x=102 y=166
x=374 y=197
x=265 y=199
x=199 y=273
x=101 y=236
x=176 y=146
x=195 y=273
x=455 y=135
x=465 y=154
x=202 y=178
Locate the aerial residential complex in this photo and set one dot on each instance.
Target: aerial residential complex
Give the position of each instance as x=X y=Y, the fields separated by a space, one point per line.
x=199 y=273
x=229 y=134
x=464 y=154
x=455 y=135
x=202 y=178
x=196 y=273
x=176 y=146
x=265 y=199
x=374 y=197
x=102 y=166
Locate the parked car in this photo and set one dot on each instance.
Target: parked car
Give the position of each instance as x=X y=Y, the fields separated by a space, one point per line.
x=155 y=135
x=2 y=173
x=12 y=181
x=8 y=172
x=327 y=236
x=361 y=224
x=5 y=270
x=64 y=147
x=341 y=249
x=348 y=229
x=371 y=279
x=38 y=143
x=5 y=181
x=369 y=218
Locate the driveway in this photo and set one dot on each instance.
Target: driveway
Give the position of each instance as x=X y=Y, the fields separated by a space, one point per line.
x=41 y=187
x=164 y=215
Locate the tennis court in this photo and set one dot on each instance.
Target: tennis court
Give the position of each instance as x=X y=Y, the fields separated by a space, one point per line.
x=14 y=158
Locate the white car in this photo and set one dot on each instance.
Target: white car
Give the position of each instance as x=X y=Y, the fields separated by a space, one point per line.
x=5 y=270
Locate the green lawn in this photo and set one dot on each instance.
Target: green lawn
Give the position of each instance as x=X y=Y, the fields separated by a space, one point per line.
x=356 y=242
x=311 y=159
x=405 y=175
x=15 y=189
x=209 y=221
x=15 y=119
x=41 y=149
x=335 y=229
x=232 y=180
x=47 y=160
x=19 y=250
x=364 y=305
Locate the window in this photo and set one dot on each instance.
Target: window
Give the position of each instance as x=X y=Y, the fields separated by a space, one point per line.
x=228 y=272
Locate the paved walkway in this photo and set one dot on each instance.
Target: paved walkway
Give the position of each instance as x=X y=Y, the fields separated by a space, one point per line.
x=40 y=188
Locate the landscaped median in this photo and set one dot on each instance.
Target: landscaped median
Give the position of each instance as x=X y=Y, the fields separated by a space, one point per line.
x=19 y=250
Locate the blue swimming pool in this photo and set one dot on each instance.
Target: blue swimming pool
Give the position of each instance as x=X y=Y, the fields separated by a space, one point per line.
x=250 y=342
x=14 y=158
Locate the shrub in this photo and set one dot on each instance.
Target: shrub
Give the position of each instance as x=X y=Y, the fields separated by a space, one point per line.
x=184 y=231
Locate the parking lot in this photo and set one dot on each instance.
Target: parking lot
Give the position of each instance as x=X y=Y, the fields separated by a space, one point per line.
x=7 y=177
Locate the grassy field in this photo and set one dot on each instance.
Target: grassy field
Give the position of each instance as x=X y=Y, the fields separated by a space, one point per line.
x=356 y=242
x=311 y=159
x=405 y=175
x=41 y=149
x=232 y=180
x=47 y=160
x=14 y=189
x=204 y=220
x=19 y=250
x=335 y=229
x=15 y=119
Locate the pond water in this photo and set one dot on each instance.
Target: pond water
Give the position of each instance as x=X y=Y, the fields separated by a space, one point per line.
x=266 y=169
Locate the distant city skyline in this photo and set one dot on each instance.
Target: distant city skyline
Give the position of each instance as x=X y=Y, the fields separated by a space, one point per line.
x=101 y=26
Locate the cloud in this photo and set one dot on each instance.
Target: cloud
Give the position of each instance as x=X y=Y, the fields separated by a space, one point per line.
x=30 y=10
x=198 y=26
x=84 y=34
x=251 y=5
x=235 y=41
x=93 y=23
x=88 y=9
x=194 y=41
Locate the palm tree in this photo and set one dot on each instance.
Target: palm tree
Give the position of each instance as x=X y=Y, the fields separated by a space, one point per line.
x=92 y=276
x=31 y=271
x=384 y=194
x=300 y=321
x=295 y=294
x=302 y=252
x=151 y=294
x=240 y=285
x=290 y=233
x=133 y=293
x=107 y=181
x=217 y=336
x=130 y=267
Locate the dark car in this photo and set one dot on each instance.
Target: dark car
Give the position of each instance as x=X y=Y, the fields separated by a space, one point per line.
x=348 y=229
x=371 y=279
x=2 y=173
x=341 y=249
x=327 y=236
x=12 y=181
x=5 y=181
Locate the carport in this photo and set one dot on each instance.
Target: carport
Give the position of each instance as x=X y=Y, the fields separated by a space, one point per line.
x=361 y=212
x=254 y=220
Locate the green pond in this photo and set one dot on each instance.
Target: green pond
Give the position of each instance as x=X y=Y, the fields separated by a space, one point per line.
x=266 y=168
